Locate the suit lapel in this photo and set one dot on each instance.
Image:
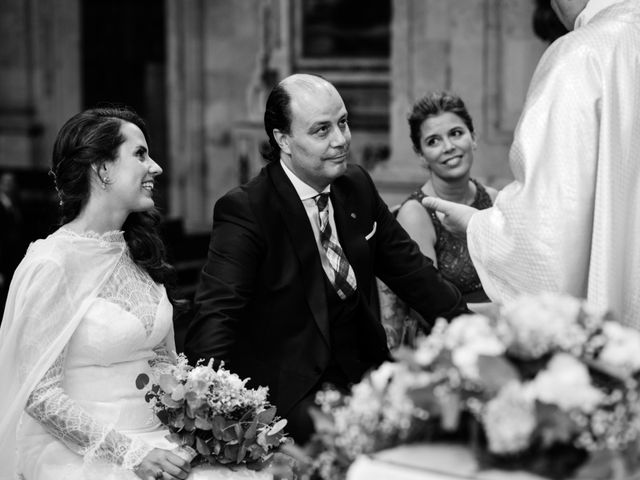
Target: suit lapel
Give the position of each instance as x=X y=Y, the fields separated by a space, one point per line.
x=303 y=244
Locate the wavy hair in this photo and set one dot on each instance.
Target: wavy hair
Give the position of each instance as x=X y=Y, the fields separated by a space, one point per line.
x=88 y=140
x=435 y=103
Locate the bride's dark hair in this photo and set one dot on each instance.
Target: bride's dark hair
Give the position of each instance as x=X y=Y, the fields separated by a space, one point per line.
x=88 y=140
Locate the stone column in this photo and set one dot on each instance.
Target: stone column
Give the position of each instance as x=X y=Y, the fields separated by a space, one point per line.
x=40 y=81
x=211 y=47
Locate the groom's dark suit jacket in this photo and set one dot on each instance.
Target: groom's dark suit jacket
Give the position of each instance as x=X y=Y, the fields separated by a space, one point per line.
x=261 y=304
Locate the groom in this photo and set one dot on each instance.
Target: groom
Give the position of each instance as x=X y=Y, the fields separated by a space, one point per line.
x=288 y=293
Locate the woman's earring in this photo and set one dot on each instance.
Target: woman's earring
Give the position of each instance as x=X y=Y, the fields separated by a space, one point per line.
x=105 y=181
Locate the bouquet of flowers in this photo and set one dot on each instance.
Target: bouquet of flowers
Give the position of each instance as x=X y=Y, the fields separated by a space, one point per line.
x=214 y=415
x=546 y=384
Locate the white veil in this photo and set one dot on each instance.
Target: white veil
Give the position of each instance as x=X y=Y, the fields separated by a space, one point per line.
x=51 y=290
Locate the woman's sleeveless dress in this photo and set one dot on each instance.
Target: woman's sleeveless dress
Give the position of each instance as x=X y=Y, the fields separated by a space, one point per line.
x=452 y=253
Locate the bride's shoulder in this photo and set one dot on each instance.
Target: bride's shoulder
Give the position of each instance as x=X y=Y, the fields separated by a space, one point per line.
x=51 y=252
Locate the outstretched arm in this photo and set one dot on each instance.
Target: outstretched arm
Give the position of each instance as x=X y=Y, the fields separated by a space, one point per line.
x=227 y=281
x=455 y=216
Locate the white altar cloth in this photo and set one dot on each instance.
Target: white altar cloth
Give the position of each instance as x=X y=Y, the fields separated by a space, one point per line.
x=428 y=462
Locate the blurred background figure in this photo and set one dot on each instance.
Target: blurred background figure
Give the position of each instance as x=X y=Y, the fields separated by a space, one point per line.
x=12 y=241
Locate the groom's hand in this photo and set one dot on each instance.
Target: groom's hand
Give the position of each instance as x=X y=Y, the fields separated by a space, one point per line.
x=454 y=216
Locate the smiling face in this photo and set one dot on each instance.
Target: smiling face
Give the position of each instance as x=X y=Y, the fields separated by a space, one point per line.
x=131 y=175
x=317 y=145
x=447 y=145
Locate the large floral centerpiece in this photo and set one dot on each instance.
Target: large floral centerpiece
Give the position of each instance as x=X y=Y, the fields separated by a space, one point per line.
x=545 y=384
x=212 y=414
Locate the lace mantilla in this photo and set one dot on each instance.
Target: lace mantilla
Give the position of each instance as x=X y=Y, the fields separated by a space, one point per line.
x=133 y=290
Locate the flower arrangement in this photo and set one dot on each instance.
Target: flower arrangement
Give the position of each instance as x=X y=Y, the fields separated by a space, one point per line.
x=211 y=413
x=545 y=384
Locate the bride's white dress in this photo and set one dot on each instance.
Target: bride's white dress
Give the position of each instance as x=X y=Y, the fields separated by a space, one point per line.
x=86 y=419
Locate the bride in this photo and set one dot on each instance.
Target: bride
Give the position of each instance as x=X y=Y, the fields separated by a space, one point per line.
x=87 y=313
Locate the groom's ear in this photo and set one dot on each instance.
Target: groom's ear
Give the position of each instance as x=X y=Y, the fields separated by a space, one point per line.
x=282 y=139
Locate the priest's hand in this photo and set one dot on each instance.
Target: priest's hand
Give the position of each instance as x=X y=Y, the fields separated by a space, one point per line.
x=454 y=216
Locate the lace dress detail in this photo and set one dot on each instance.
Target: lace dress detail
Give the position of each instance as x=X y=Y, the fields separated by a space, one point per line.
x=105 y=239
x=134 y=291
x=65 y=420
x=454 y=261
x=130 y=288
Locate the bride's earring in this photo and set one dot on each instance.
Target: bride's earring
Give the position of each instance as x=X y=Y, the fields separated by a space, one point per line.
x=105 y=178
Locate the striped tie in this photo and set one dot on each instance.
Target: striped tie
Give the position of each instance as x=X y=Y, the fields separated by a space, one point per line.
x=344 y=280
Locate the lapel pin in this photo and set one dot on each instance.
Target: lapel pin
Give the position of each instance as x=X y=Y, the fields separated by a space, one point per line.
x=353 y=215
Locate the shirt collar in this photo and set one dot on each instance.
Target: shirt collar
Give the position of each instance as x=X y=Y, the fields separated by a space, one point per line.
x=304 y=191
x=592 y=8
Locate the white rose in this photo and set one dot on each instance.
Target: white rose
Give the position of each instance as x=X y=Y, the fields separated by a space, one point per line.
x=509 y=420
x=622 y=347
x=566 y=383
x=543 y=323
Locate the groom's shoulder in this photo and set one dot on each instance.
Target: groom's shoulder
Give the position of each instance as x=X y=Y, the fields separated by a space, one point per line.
x=355 y=177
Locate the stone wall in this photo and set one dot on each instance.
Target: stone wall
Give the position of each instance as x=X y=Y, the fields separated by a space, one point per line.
x=483 y=50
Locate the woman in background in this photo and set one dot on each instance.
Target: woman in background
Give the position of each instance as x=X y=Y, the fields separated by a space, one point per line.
x=443 y=136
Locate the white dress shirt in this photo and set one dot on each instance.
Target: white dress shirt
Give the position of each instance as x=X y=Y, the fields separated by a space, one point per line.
x=570 y=222
x=307 y=196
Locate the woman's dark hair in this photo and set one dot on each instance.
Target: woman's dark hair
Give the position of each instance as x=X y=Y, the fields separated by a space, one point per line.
x=277 y=115
x=88 y=140
x=435 y=103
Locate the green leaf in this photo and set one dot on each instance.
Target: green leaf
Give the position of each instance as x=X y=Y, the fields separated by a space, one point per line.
x=142 y=381
x=163 y=416
x=495 y=372
x=189 y=424
x=231 y=452
x=262 y=440
x=425 y=398
x=216 y=447
x=202 y=423
x=248 y=415
x=267 y=416
x=252 y=431
x=178 y=420
x=217 y=427
x=202 y=448
x=279 y=425
x=169 y=402
x=256 y=451
x=242 y=452
x=554 y=424
x=229 y=435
